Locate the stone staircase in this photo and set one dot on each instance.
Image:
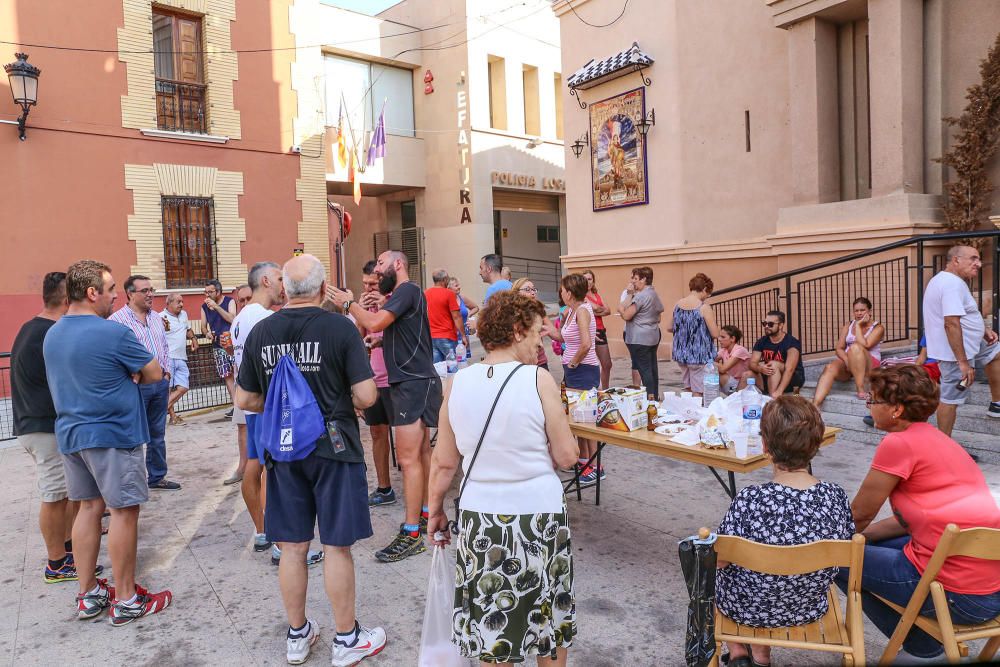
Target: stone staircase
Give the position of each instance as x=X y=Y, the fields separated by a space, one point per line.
x=974 y=430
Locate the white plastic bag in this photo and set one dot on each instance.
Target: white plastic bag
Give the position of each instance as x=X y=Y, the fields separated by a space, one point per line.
x=436 y=647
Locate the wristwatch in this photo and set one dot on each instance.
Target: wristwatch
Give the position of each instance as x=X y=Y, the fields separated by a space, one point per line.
x=347 y=306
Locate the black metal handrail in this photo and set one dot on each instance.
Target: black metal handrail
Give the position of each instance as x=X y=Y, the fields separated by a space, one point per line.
x=6 y=410
x=545 y=273
x=890 y=277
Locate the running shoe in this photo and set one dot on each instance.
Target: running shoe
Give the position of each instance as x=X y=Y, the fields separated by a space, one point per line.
x=298 y=646
x=67 y=572
x=229 y=414
x=402 y=546
x=868 y=420
x=993 y=410
x=145 y=604
x=90 y=605
x=314 y=556
x=260 y=542
x=377 y=499
x=588 y=477
x=369 y=642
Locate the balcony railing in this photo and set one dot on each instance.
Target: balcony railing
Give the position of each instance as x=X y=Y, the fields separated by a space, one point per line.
x=181 y=106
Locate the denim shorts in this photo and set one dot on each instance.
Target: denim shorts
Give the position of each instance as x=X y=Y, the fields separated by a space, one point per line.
x=314 y=490
x=181 y=377
x=442 y=346
x=583 y=376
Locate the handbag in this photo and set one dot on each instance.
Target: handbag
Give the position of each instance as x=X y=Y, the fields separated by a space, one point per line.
x=453 y=525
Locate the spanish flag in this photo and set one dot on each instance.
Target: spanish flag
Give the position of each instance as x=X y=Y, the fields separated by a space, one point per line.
x=341 y=147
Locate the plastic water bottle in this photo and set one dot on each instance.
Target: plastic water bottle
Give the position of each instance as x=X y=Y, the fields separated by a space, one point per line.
x=753 y=405
x=711 y=383
x=460 y=354
x=452 y=363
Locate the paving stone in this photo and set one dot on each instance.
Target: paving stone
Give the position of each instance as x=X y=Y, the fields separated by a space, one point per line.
x=630 y=594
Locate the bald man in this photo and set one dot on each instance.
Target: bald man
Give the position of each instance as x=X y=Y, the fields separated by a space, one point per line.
x=957 y=335
x=414 y=388
x=329 y=485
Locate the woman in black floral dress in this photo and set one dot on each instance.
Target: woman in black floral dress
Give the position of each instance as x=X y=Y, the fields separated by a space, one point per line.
x=793 y=508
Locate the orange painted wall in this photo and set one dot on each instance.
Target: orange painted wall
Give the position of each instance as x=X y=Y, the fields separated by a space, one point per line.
x=62 y=192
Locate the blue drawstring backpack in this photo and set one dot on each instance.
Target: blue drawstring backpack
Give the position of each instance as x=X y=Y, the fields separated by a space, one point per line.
x=292 y=421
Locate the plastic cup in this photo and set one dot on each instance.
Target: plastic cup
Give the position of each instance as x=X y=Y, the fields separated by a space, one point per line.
x=740 y=439
x=686 y=394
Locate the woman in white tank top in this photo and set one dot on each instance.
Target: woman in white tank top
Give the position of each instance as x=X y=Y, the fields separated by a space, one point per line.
x=514 y=538
x=858 y=352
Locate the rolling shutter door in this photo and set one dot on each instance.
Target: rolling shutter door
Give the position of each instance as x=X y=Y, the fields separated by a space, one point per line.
x=511 y=200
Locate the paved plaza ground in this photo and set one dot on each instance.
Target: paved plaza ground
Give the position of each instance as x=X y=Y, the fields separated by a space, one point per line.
x=227 y=609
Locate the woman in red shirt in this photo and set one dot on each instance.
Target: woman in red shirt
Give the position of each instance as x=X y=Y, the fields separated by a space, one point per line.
x=930 y=481
x=601 y=340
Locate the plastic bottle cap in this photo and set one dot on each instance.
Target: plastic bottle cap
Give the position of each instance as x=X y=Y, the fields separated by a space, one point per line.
x=751 y=381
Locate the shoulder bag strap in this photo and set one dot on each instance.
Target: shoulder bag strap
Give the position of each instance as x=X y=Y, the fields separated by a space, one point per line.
x=483 y=435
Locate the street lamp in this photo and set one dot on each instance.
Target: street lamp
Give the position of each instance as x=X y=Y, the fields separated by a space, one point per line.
x=647 y=122
x=578 y=145
x=24 y=86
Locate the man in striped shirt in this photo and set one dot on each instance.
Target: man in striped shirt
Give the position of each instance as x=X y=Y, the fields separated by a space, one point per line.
x=137 y=314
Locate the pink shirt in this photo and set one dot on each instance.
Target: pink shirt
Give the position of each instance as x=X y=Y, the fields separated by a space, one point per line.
x=571 y=337
x=939 y=484
x=740 y=367
x=151 y=334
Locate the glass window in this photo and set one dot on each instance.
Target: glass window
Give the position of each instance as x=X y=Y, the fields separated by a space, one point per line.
x=364 y=87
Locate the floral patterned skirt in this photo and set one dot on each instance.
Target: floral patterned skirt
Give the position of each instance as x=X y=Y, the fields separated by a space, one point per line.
x=513 y=586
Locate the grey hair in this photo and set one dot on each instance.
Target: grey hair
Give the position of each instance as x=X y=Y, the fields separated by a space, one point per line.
x=257 y=272
x=439 y=276
x=401 y=256
x=493 y=262
x=309 y=286
x=173 y=296
x=953 y=252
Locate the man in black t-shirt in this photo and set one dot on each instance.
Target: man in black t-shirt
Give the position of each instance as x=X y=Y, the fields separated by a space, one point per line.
x=777 y=358
x=330 y=485
x=35 y=428
x=414 y=387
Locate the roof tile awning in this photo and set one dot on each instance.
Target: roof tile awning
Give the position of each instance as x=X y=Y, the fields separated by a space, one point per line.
x=597 y=72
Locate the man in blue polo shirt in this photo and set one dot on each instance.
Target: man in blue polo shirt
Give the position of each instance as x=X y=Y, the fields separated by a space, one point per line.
x=92 y=366
x=490 y=268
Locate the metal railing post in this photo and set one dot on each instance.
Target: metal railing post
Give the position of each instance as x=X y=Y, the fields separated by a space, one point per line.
x=788 y=305
x=920 y=290
x=996 y=283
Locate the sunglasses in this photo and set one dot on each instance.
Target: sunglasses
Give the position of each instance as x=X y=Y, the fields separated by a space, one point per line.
x=768 y=325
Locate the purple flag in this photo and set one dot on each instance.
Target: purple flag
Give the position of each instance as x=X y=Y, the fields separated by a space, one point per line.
x=377 y=147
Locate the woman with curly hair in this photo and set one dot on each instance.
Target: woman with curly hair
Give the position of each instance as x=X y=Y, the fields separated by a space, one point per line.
x=514 y=580
x=929 y=481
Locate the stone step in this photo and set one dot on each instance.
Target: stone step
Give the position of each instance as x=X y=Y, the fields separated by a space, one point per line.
x=979 y=392
x=971 y=417
x=983 y=446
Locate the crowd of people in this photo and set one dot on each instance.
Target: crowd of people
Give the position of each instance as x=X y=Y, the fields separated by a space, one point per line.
x=94 y=387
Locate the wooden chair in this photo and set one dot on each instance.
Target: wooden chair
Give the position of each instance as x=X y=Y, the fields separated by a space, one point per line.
x=972 y=542
x=834 y=632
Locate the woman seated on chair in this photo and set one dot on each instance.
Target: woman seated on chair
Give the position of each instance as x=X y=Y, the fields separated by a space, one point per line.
x=930 y=481
x=793 y=508
x=857 y=350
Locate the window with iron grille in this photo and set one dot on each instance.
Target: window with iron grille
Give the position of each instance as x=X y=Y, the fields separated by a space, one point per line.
x=188 y=241
x=177 y=62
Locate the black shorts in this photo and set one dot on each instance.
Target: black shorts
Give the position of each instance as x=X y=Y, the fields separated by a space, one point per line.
x=416 y=399
x=797 y=381
x=333 y=492
x=378 y=414
x=602 y=337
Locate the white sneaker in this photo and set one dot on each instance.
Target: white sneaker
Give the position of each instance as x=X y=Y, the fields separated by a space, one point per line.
x=370 y=642
x=298 y=648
